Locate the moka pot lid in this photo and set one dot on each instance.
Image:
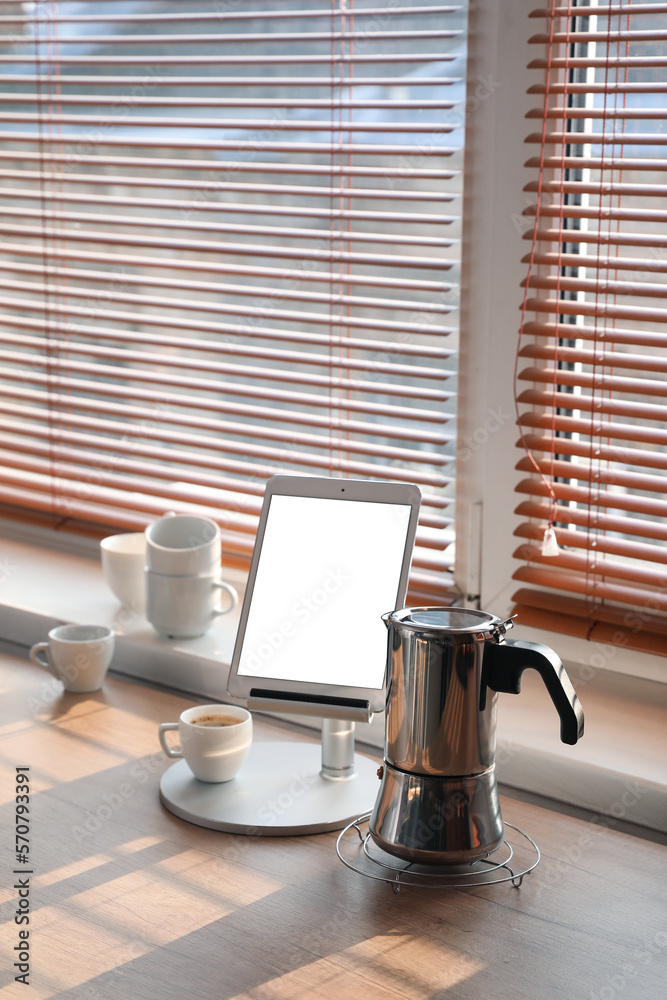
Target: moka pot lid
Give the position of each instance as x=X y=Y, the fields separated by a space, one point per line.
x=449 y=621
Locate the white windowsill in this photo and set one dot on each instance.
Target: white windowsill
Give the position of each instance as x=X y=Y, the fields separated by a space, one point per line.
x=617 y=770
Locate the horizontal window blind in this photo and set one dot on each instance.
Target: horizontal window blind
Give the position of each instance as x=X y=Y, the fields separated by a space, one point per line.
x=592 y=366
x=229 y=249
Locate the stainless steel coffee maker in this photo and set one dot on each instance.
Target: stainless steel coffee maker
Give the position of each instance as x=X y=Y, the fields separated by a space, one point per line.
x=438 y=800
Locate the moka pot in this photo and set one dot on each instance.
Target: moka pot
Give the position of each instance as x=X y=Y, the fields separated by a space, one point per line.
x=438 y=800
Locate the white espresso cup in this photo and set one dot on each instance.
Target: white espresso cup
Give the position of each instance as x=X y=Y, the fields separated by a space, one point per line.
x=184 y=607
x=123 y=562
x=214 y=740
x=78 y=655
x=183 y=545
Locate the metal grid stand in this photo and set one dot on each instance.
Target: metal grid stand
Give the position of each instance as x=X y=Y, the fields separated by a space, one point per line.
x=371 y=862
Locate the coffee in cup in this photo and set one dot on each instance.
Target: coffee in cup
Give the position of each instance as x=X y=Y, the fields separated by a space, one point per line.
x=214 y=740
x=215 y=720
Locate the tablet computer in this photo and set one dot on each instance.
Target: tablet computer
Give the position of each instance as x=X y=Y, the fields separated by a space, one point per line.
x=331 y=557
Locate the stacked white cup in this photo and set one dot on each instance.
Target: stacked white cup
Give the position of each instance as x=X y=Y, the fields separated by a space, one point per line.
x=183 y=582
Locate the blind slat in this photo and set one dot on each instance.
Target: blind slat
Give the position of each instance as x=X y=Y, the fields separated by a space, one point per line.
x=330 y=256
x=210 y=442
x=615 y=87
x=595 y=621
x=153 y=100
x=249 y=38
x=89 y=455
x=598 y=522
x=223 y=170
x=159 y=413
x=249 y=146
x=598 y=567
x=594 y=114
x=265 y=394
x=600 y=264
x=57 y=364
x=215 y=15
x=606 y=188
x=123 y=260
x=330 y=80
x=257 y=291
x=579 y=540
x=567 y=211
x=124 y=354
x=613 y=407
x=576 y=608
x=596 y=428
x=60 y=331
x=595 y=451
x=220 y=185
x=58 y=320
x=599 y=356
x=105 y=513
x=611 y=238
x=609 y=163
x=603 y=10
x=596 y=475
x=605 y=334
x=144 y=496
x=599 y=138
x=177 y=205
x=241 y=124
x=632 y=596
x=220 y=59
x=247 y=229
x=49 y=292
x=594 y=498
x=620 y=37
x=609 y=63
x=597 y=379
x=598 y=285
x=644 y=314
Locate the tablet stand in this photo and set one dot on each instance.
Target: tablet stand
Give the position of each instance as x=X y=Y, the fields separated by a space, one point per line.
x=283 y=789
x=359 y=531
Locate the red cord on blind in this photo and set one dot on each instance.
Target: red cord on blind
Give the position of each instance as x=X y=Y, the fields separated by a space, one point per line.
x=549 y=541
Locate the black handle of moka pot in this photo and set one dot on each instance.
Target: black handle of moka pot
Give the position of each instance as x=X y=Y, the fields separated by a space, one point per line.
x=505 y=662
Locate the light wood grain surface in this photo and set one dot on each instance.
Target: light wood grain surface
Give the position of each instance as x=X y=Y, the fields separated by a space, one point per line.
x=127 y=901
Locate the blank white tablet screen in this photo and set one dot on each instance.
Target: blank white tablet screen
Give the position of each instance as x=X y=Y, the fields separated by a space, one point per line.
x=328 y=570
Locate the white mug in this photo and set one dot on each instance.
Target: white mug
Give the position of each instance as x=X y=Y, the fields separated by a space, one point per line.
x=78 y=655
x=215 y=740
x=184 y=607
x=183 y=545
x=123 y=562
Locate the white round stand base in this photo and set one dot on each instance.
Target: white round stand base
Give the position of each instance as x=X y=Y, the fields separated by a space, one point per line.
x=279 y=792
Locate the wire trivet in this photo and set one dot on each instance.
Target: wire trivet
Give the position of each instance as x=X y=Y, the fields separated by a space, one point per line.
x=372 y=862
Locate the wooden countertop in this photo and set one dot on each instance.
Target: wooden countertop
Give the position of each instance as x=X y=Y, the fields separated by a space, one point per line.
x=127 y=901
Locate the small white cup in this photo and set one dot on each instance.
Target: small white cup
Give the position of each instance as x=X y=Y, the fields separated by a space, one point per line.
x=78 y=655
x=212 y=752
x=123 y=562
x=184 y=607
x=183 y=545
